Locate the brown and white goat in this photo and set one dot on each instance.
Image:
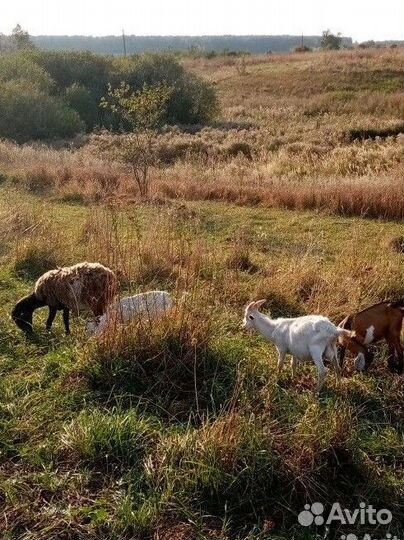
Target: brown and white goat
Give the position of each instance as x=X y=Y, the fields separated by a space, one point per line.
x=373 y=324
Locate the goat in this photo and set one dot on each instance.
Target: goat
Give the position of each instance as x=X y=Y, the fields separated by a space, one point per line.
x=373 y=324
x=305 y=338
x=151 y=304
x=84 y=285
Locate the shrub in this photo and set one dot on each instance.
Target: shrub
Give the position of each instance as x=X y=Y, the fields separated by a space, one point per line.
x=192 y=101
x=19 y=67
x=80 y=100
x=83 y=68
x=27 y=113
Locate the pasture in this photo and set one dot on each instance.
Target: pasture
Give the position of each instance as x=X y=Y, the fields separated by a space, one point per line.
x=180 y=429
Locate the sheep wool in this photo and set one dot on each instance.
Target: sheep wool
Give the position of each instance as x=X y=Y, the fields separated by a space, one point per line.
x=84 y=285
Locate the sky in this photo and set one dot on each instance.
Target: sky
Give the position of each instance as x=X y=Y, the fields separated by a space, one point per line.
x=359 y=19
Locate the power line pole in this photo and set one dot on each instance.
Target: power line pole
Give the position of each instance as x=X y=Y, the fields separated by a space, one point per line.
x=124 y=42
x=302 y=41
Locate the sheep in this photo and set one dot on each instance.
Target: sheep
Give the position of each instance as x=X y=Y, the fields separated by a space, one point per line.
x=305 y=338
x=84 y=285
x=150 y=303
x=375 y=323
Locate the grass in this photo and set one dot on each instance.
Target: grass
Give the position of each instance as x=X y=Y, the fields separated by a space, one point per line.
x=181 y=430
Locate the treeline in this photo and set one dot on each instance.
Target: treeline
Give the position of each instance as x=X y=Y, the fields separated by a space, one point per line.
x=139 y=44
x=49 y=94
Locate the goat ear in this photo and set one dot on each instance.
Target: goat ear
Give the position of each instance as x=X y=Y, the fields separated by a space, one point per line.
x=259 y=303
x=251 y=305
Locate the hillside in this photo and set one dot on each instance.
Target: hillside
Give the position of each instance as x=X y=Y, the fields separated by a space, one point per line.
x=180 y=428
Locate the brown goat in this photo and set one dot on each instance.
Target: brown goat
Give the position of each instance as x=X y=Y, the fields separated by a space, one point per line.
x=84 y=285
x=377 y=322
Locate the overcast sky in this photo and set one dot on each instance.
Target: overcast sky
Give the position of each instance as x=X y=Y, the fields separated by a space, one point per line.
x=360 y=19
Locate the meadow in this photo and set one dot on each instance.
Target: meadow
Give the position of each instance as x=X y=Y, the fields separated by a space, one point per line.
x=180 y=429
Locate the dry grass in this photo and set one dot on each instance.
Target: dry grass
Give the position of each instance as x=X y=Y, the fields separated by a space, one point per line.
x=298 y=132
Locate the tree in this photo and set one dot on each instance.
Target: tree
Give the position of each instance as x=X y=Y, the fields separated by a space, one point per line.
x=21 y=38
x=330 y=41
x=145 y=111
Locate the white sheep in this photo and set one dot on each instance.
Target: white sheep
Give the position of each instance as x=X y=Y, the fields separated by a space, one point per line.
x=149 y=304
x=306 y=338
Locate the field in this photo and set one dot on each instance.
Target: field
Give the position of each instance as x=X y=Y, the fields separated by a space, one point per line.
x=180 y=429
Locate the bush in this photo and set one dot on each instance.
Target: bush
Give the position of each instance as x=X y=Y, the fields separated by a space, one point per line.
x=80 y=100
x=85 y=69
x=193 y=100
x=18 y=67
x=27 y=114
x=48 y=94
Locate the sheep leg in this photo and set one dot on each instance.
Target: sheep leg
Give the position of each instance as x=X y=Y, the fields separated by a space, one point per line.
x=51 y=317
x=66 y=317
x=317 y=357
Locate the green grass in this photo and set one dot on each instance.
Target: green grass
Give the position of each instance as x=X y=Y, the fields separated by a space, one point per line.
x=184 y=431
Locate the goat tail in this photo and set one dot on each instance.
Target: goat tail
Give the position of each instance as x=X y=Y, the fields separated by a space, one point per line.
x=342 y=332
x=342 y=335
x=399 y=304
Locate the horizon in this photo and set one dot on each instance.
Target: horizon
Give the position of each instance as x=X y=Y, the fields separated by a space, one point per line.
x=193 y=18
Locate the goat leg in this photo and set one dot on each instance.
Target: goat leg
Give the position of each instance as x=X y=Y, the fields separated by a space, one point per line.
x=341 y=355
x=369 y=356
x=395 y=358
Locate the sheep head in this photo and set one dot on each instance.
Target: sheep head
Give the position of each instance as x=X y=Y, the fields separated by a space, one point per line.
x=23 y=310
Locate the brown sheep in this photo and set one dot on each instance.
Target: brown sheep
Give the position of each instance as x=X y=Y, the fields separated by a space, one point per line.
x=72 y=288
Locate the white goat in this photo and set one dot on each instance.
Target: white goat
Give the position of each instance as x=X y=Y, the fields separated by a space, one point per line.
x=305 y=338
x=149 y=304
